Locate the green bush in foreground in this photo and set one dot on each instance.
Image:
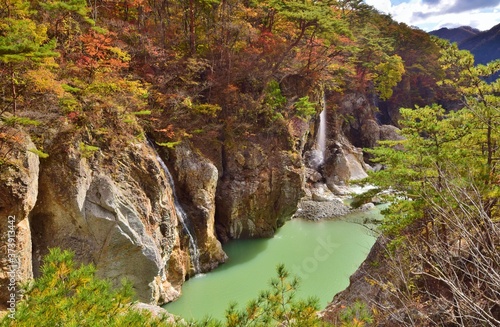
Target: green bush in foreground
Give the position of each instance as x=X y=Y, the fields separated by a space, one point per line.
x=277 y=306
x=68 y=296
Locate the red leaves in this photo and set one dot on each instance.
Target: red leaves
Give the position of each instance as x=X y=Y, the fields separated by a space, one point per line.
x=73 y=116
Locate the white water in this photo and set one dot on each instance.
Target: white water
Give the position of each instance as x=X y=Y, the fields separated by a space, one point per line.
x=321 y=138
x=182 y=217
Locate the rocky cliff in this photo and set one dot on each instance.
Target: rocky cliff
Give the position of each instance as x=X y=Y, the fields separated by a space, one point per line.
x=118 y=208
x=114 y=210
x=19 y=191
x=259 y=189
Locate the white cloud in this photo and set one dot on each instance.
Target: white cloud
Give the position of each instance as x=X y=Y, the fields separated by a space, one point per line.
x=431 y=15
x=381 y=5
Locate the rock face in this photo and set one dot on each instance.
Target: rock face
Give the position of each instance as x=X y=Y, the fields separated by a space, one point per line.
x=117 y=214
x=259 y=189
x=18 y=194
x=343 y=164
x=197 y=177
x=358 y=118
x=119 y=210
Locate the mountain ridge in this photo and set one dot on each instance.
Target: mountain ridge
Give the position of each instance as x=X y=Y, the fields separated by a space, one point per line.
x=484 y=45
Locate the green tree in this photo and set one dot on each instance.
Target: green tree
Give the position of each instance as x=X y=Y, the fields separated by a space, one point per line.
x=23 y=43
x=66 y=295
x=277 y=306
x=374 y=61
x=443 y=218
x=69 y=295
x=482 y=100
x=388 y=74
x=64 y=18
x=415 y=165
x=439 y=142
x=305 y=22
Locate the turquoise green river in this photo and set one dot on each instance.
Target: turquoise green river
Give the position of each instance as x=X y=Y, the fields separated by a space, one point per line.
x=322 y=254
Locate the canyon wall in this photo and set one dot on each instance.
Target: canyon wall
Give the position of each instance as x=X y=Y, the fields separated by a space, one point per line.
x=119 y=208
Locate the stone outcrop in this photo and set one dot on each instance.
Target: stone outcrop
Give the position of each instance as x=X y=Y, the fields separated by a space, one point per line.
x=314 y=210
x=18 y=195
x=343 y=164
x=197 y=178
x=259 y=189
x=390 y=133
x=117 y=214
x=155 y=311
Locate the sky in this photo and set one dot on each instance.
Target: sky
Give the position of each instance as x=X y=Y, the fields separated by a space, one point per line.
x=431 y=15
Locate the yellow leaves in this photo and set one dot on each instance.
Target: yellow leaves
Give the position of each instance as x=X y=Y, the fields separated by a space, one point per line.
x=494 y=192
x=45 y=81
x=187 y=102
x=387 y=74
x=240 y=45
x=207 y=109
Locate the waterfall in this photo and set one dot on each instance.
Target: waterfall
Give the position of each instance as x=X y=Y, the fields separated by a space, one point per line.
x=321 y=137
x=194 y=253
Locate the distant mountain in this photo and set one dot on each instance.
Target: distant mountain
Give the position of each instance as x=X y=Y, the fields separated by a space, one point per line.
x=485 y=46
x=457 y=34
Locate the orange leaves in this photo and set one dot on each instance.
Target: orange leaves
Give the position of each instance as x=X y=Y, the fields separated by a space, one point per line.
x=95 y=43
x=167 y=131
x=99 y=52
x=10 y=141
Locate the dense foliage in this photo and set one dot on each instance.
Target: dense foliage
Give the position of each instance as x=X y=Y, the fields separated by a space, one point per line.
x=444 y=221
x=66 y=295
x=184 y=68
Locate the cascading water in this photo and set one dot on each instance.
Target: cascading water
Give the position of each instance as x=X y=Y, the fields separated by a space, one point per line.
x=194 y=253
x=321 y=137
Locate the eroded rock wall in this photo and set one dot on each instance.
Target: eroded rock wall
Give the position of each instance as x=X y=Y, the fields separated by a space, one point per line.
x=259 y=189
x=197 y=177
x=18 y=195
x=116 y=208
x=116 y=214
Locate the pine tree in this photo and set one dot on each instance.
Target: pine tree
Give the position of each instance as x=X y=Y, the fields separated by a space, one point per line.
x=68 y=295
x=23 y=43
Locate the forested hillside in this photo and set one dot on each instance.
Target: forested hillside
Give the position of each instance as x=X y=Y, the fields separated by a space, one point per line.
x=183 y=64
x=229 y=92
x=437 y=262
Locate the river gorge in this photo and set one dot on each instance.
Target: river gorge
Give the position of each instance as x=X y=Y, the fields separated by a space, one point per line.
x=322 y=254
